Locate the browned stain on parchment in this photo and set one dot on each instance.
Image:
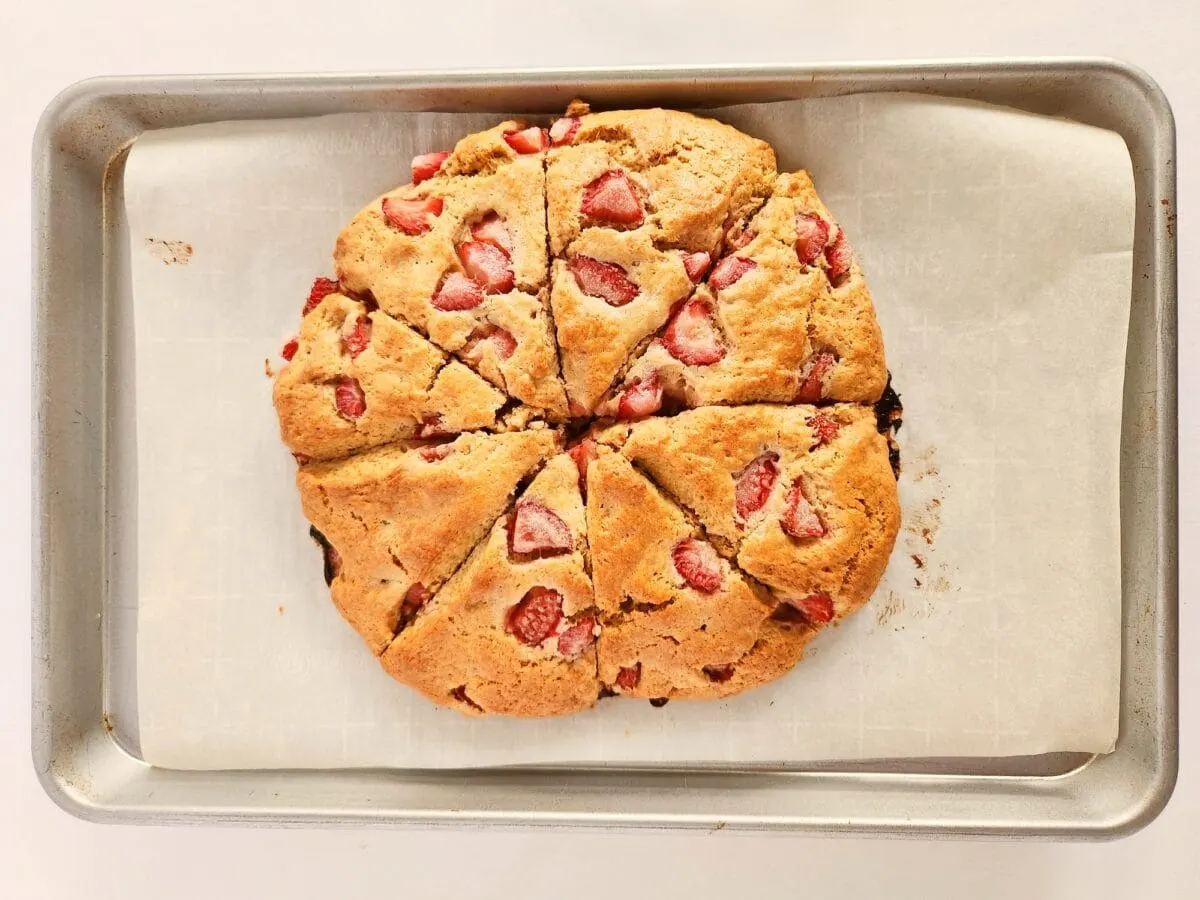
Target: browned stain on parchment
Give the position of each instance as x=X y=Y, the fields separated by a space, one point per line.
x=170 y=252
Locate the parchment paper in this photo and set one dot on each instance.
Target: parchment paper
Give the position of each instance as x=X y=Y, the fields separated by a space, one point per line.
x=997 y=246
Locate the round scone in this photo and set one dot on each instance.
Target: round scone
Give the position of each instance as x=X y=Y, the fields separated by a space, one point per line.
x=588 y=412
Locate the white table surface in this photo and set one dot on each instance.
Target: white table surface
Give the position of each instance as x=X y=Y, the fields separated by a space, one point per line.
x=50 y=43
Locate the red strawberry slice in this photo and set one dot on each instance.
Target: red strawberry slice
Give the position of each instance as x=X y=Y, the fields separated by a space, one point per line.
x=729 y=270
x=487 y=265
x=800 y=520
x=492 y=230
x=612 y=198
x=578 y=637
x=356 y=336
x=838 y=257
x=536 y=617
x=629 y=676
x=536 y=529
x=824 y=429
x=411 y=216
x=641 y=398
x=696 y=264
x=432 y=426
x=754 y=484
x=457 y=292
x=321 y=288
x=812 y=233
x=528 y=140
x=289 y=349
x=690 y=336
x=605 y=280
x=427 y=165
x=349 y=398
x=816 y=608
x=719 y=673
x=698 y=564
x=503 y=342
x=563 y=131
x=814 y=378
x=416 y=597
x=583 y=453
x=435 y=452
x=742 y=240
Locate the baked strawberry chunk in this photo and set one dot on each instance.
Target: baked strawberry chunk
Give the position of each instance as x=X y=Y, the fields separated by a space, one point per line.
x=641 y=398
x=563 y=131
x=812 y=233
x=411 y=216
x=824 y=429
x=754 y=484
x=729 y=270
x=800 y=520
x=428 y=164
x=492 y=230
x=534 y=528
x=719 y=673
x=612 y=198
x=578 y=637
x=536 y=617
x=487 y=265
x=605 y=280
x=696 y=264
x=814 y=378
x=289 y=349
x=416 y=597
x=356 y=335
x=583 y=453
x=348 y=397
x=629 y=676
x=816 y=609
x=528 y=140
x=435 y=452
x=499 y=339
x=698 y=564
x=321 y=288
x=457 y=292
x=838 y=257
x=691 y=337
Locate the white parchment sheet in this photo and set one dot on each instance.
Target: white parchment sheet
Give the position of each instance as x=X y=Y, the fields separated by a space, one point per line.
x=997 y=246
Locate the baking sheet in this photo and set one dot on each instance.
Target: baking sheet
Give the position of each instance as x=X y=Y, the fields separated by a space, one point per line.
x=997 y=245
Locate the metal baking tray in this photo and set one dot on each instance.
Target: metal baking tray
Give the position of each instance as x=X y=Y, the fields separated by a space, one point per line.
x=84 y=603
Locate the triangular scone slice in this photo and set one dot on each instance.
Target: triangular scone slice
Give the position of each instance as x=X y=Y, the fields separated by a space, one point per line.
x=822 y=538
x=513 y=632
x=460 y=258
x=358 y=378
x=611 y=291
x=400 y=519
x=678 y=178
x=677 y=620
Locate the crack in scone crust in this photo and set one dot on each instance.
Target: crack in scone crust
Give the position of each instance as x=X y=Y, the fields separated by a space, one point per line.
x=595 y=410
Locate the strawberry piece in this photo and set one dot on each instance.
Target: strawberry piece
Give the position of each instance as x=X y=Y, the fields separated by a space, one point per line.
x=812 y=234
x=612 y=198
x=411 y=216
x=302 y=459
x=754 y=484
x=563 y=131
x=492 y=230
x=583 y=453
x=487 y=265
x=741 y=240
x=800 y=520
x=333 y=559
x=629 y=677
x=696 y=264
x=719 y=673
x=427 y=165
x=824 y=429
x=690 y=336
x=416 y=597
x=605 y=280
x=698 y=564
x=534 y=528
x=816 y=609
x=435 y=452
x=578 y=637
x=641 y=398
x=814 y=377
x=503 y=342
x=528 y=140
x=321 y=288
x=289 y=349
x=457 y=292
x=357 y=337
x=838 y=257
x=536 y=617
x=431 y=426
x=349 y=398
x=729 y=270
